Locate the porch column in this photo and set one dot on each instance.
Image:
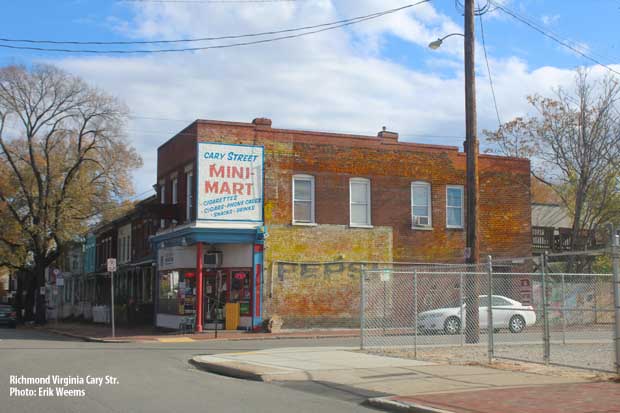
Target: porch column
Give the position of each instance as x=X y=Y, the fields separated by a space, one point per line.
x=199 y=287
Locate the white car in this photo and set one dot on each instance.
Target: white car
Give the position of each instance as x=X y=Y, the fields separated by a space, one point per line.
x=507 y=313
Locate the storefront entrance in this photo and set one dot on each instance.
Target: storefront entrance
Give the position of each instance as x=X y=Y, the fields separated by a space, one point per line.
x=214 y=285
x=227 y=298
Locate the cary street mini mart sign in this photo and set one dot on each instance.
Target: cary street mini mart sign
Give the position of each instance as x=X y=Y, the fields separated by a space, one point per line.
x=230 y=182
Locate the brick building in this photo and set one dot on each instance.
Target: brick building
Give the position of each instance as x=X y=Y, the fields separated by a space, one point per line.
x=280 y=221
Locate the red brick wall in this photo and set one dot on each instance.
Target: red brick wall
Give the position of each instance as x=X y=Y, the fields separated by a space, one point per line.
x=173 y=156
x=505 y=229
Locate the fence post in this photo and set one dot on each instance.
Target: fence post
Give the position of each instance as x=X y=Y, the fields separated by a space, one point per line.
x=461 y=307
x=415 y=306
x=564 y=310
x=616 y=270
x=362 y=306
x=545 y=315
x=490 y=329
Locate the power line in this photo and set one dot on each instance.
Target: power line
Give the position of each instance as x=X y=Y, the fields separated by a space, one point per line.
x=533 y=21
x=324 y=26
x=553 y=37
x=486 y=58
x=196 y=39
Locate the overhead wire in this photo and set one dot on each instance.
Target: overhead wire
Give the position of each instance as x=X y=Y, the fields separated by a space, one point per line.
x=200 y=39
x=553 y=37
x=490 y=76
x=324 y=27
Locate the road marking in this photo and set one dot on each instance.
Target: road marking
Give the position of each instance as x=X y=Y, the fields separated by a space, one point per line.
x=175 y=340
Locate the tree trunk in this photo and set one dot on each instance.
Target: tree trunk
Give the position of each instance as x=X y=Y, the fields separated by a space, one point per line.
x=29 y=290
x=41 y=306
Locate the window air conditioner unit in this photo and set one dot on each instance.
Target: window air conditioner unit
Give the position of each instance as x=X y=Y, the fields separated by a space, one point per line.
x=213 y=259
x=420 y=221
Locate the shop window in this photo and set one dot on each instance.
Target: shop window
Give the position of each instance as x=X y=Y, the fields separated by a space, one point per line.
x=359 y=207
x=421 y=205
x=240 y=291
x=454 y=206
x=303 y=199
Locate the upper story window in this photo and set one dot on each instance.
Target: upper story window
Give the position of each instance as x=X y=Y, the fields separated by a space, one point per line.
x=162 y=200
x=359 y=202
x=454 y=206
x=303 y=199
x=421 y=211
x=175 y=191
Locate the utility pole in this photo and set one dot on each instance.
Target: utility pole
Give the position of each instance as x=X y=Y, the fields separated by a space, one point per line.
x=472 y=252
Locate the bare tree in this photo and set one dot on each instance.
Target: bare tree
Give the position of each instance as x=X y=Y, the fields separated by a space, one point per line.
x=63 y=161
x=574 y=142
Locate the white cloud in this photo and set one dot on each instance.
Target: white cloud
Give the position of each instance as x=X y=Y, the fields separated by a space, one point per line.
x=326 y=81
x=550 y=20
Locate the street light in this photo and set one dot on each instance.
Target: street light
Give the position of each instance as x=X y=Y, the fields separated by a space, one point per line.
x=472 y=245
x=436 y=44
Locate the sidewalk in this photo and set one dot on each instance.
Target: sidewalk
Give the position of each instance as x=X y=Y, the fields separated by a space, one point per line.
x=103 y=333
x=417 y=386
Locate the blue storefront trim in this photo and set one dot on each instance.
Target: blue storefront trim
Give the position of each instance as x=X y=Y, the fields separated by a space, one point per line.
x=191 y=236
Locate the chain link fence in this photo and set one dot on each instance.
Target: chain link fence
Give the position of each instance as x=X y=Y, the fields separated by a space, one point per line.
x=549 y=309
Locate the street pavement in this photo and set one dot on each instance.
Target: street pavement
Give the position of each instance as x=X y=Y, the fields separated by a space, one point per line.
x=156 y=377
x=307 y=375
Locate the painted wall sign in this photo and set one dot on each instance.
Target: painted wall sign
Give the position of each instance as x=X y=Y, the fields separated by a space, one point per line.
x=230 y=182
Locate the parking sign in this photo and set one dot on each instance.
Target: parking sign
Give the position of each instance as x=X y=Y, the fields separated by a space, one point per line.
x=111 y=264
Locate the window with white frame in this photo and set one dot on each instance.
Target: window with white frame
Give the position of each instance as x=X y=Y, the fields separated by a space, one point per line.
x=421 y=214
x=303 y=199
x=359 y=202
x=162 y=200
x=175 y=191
x=454 y=206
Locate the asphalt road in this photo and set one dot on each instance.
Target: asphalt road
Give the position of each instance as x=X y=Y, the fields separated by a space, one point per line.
x=155 y=377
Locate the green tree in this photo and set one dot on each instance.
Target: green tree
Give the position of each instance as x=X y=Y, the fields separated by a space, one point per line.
x=64 y=162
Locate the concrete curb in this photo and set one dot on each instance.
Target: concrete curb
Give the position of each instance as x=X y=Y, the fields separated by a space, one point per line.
x=154 y=339
x=391 y=405
x=230 y=371
x=86 y=338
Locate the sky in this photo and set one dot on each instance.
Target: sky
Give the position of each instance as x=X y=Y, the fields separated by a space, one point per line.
x=354 y=79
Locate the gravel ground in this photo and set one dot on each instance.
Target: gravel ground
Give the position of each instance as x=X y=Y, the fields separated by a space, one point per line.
x=586 y=356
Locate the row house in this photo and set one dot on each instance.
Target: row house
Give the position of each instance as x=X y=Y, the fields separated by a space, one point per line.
x=86 y=290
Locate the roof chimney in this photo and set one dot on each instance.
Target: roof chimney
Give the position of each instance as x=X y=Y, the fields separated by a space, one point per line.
x=262 y=123
x=388 y=136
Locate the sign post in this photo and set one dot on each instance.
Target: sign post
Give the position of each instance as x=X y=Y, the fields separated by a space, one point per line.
x=111 y=269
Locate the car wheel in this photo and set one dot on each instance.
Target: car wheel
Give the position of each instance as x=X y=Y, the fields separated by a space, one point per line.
x=516 y=324
x=452 y=325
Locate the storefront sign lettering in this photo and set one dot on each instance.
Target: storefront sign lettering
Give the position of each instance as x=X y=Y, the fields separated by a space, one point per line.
x=230 y=182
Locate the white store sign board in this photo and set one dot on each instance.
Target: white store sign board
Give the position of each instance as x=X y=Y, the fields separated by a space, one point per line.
x=230 y=182
x=176 y=257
